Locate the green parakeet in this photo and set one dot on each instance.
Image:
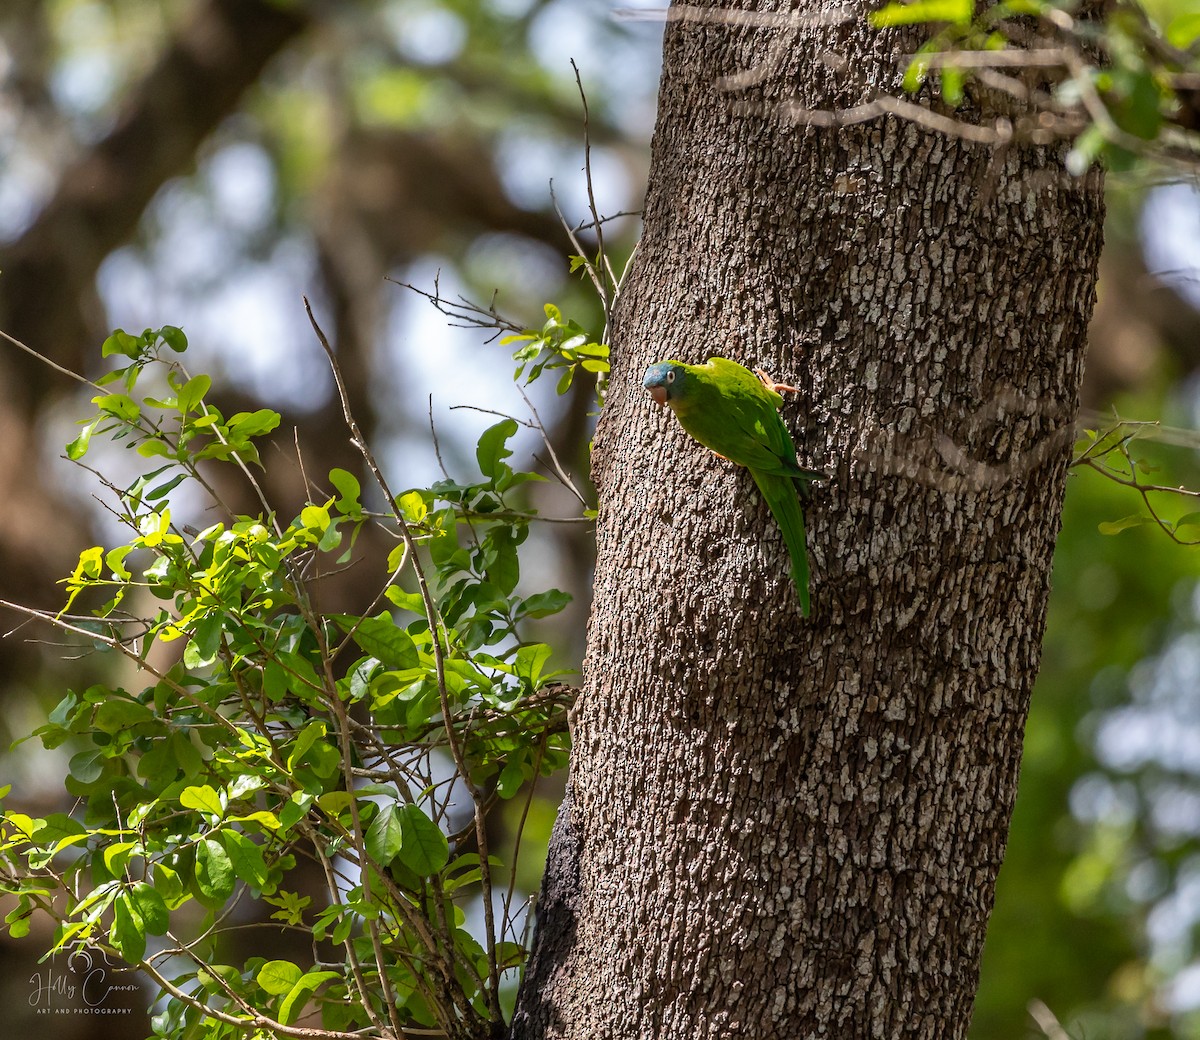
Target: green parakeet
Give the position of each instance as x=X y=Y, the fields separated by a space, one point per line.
x=735 y=412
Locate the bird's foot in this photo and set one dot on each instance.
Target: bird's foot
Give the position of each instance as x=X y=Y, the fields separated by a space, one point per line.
x=770 y=383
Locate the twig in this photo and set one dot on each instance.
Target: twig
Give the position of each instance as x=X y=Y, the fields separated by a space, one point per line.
x=597 y=223
x=558 y=469
x=463 y=312
x=437 y=634
x=588 y=266
x=53 y=364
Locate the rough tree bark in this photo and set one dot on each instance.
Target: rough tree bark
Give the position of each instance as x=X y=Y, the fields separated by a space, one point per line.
x=780 y=828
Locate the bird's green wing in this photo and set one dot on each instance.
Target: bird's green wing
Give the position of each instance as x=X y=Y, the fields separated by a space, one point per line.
x=747 y=419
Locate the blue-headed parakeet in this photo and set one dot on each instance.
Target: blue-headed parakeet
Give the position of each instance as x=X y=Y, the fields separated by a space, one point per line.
x=735 y=413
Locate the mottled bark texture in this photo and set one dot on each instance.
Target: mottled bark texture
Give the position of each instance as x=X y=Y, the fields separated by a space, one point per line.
x=786 y=829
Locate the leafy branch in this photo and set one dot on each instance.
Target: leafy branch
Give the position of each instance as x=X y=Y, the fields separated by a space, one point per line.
x=1109 y=451
x=277 y=735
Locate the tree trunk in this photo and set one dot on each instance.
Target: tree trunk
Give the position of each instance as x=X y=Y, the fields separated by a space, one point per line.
x=786 y=828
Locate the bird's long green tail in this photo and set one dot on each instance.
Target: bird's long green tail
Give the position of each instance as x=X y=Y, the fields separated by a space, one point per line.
x=780 y=493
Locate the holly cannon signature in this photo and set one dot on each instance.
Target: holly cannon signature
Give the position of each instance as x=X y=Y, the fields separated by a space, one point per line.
x=86 y=981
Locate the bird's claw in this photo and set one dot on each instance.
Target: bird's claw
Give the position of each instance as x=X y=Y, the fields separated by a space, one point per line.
x=770 y=383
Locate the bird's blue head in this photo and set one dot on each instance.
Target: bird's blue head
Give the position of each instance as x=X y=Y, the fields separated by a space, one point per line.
x=663 y=380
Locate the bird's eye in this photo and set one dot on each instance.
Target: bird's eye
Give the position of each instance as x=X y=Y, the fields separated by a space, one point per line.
x=671 y=376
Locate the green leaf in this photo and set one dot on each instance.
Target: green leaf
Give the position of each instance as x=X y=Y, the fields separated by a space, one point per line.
x=384 y=835
x=121 y=342
x=543 y=604
x=173 y=337
x=423 y=847
x=1188 y=520
x=192 y=393
x=165 y=488
x=492 y=446
x=1137 y=109
x=952 y=86
x=214 y=872
x=115 y=561
x=59 y=827
x=308 y=736
x=122 y=406
x=915 y=73
x=529 y=662
x=245 y=425
x=414 y=507
x=18 y=919
x=503 y=566
x=512 y=776
x=278 y=977
x=1184 y=29
x=212 y=977
x=1117 y=526
x=294 y=810
x=128 y=931
x=203 y=798
x=348 y=489
x=381 y=638
x=315 y=518
x=79 y=446
x=151 y=908
x=119 y=713
x=205 y=642
x=87 y=766
x=291 y=907
x=246 y=858
x=406 y=600
x=117 y=855
x=335 y=802
x=293 y=1004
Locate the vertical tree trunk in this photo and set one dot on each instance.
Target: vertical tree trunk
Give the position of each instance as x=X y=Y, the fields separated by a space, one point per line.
x=788 y=828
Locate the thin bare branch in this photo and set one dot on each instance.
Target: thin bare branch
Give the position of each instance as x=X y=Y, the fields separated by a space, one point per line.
x=597 y=223
x=52 y=364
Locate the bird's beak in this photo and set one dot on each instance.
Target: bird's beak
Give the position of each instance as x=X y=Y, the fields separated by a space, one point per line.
x=659 y=393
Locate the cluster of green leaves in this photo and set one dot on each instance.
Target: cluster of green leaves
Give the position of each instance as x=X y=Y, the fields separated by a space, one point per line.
x=272 y=736
x=1110 y=451
x=560 y=344
x=1118 y=86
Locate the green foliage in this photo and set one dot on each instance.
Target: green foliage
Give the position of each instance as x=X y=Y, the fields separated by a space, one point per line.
x=276 y=733
x=1116 y=87
x=1109 y=449
x=561 y=345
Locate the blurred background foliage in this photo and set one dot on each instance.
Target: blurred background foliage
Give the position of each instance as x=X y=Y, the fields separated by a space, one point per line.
x=204 y=163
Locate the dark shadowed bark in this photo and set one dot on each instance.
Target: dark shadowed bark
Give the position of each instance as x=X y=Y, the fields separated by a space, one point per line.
x=782 y=828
